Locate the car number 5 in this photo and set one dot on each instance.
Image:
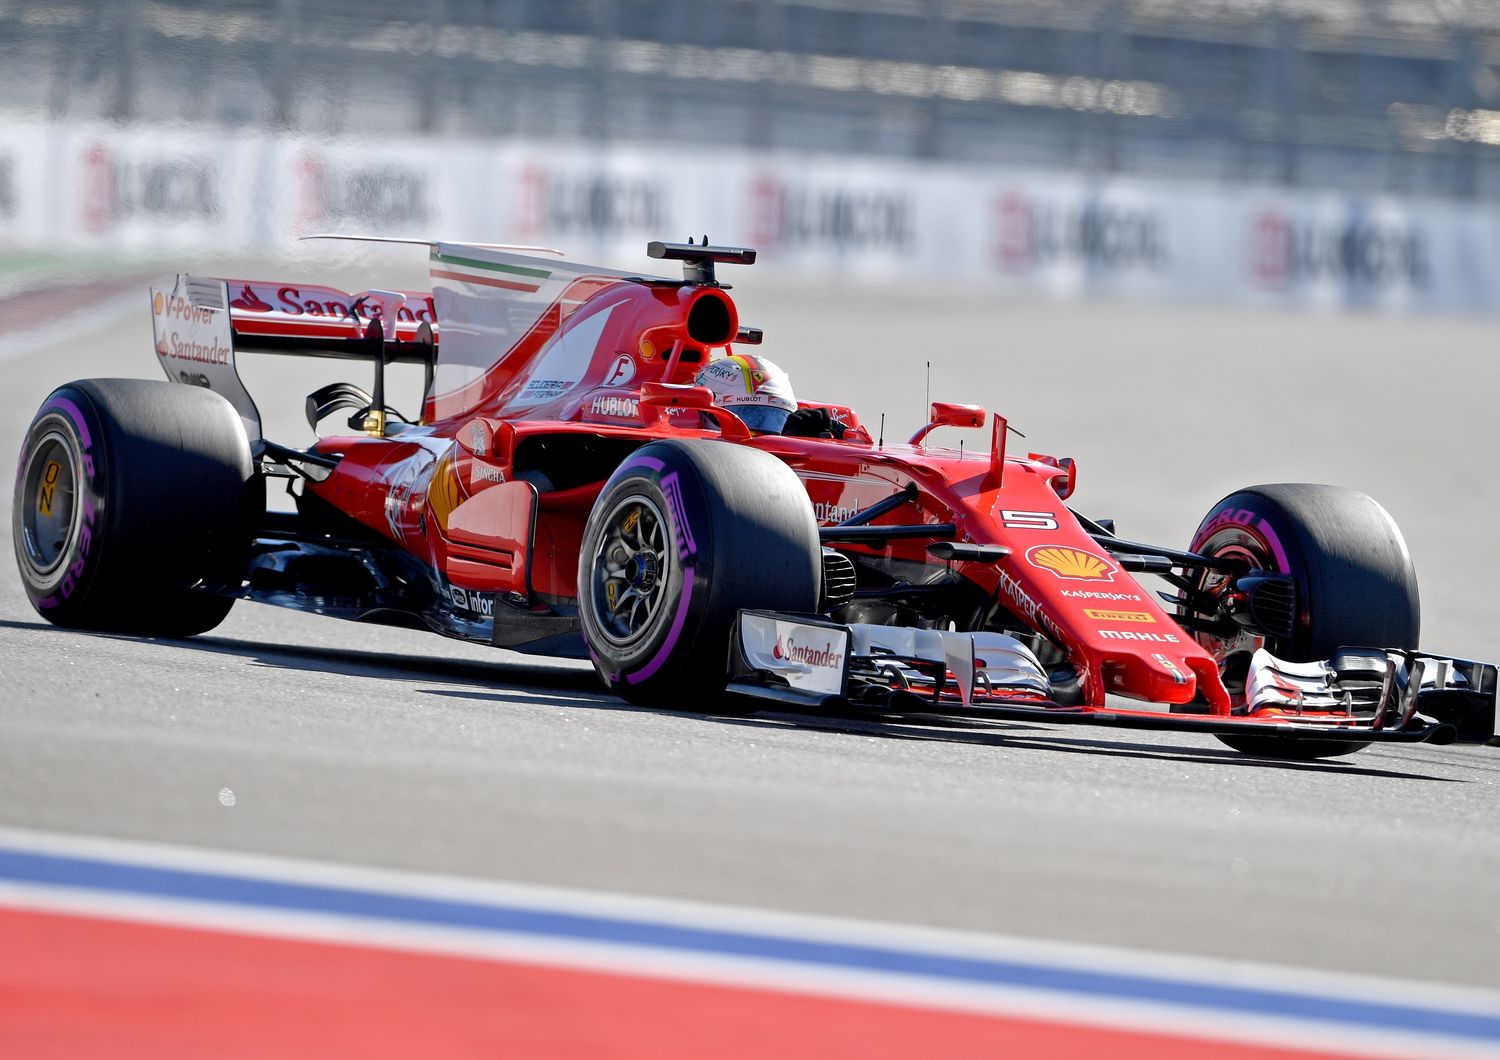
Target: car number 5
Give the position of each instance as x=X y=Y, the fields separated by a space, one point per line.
x=1016 y=520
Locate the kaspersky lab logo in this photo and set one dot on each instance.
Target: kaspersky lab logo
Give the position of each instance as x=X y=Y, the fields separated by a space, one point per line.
x=825 y=658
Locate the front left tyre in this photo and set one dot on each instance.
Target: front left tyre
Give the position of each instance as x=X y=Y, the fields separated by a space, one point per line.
x=684 y=535
x=133 y=507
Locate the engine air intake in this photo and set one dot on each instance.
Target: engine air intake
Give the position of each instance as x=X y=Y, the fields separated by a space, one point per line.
x=711 y=320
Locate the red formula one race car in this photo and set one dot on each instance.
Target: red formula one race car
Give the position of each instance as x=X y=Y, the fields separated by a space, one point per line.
x=574 y=487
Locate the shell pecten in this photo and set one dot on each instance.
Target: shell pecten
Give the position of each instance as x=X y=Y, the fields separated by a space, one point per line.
x=1072 y=563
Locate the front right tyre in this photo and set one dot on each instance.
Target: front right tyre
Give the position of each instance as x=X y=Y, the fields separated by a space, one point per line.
x=1355 y=584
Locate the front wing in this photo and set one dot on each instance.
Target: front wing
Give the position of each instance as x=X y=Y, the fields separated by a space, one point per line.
x=806 y=662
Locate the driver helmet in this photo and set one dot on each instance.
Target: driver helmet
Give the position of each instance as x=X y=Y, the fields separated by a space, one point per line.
x=753 y=388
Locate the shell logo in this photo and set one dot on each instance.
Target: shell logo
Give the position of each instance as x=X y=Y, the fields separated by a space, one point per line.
x=159 y=304
x=1070 y=564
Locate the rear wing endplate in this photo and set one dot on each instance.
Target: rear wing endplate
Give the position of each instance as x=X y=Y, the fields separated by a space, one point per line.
x=195 y=342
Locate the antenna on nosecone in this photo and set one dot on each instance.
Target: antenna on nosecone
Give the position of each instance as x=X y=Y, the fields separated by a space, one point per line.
x=881 y=443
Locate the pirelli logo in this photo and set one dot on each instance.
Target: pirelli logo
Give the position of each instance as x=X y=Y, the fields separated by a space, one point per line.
x=1118 y=616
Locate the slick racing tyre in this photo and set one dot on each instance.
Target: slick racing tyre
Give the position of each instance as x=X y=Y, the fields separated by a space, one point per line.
x=684 y=535
x=1355 y=584
x=131 y=498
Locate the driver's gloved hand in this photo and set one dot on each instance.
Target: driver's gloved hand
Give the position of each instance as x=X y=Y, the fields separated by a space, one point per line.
x=813 y=423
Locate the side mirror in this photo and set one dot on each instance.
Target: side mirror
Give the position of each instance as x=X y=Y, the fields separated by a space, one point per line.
x=950 y=414
x=662 y=396
x=673 y=395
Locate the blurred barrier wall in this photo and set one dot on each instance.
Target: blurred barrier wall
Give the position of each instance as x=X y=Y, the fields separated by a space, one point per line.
x=148 y=189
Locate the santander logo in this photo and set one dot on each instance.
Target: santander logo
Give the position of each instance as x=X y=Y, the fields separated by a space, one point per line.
x=251 y=302
x=826 y=657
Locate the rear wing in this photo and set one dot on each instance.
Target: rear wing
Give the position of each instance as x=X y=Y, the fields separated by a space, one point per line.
x=317 y=321
x=201 y=324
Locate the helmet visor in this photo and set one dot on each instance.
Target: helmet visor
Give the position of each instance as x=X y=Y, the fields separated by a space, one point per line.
x=767 y=419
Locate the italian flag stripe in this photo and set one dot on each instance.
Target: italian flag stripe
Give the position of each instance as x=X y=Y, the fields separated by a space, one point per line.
x=473 y=263
x=487 y=281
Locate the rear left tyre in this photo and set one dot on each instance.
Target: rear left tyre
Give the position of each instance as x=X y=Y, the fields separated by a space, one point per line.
x=134 y=503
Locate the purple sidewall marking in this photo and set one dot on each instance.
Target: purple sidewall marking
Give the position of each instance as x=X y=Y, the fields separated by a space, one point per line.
x=75 y=415
x=1275 y=543
x=660 y=658
x=640 y=461
x=671 y=488
x=1261 y=528
x=680 y=619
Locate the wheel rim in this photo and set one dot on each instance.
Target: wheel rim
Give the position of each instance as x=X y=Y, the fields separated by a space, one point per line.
x=1232 y=653
x=631 y=571
x=48 y=510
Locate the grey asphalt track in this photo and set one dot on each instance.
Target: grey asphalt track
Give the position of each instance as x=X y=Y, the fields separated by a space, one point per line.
x=391 y=748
